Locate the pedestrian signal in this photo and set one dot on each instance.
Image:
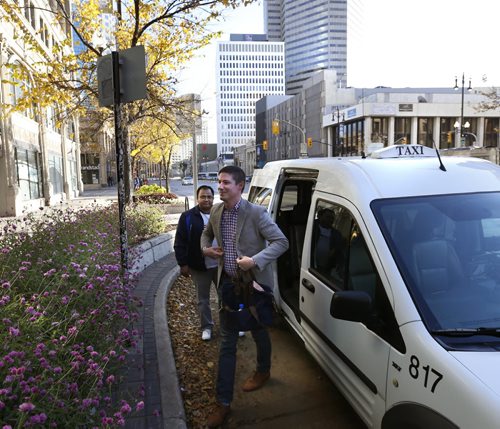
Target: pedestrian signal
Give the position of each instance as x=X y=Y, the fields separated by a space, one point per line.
x=309 y=142
x=264 y=145
x=276 y=127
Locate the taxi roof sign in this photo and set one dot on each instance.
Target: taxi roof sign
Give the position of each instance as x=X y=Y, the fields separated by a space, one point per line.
x=404 y=151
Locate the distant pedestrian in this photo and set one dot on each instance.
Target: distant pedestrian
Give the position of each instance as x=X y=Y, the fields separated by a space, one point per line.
x=137 y=183
x=249 y=240
x=203 y=270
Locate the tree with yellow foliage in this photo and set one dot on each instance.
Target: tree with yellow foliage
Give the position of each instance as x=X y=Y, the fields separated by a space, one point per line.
x=154 y=142
x=170 y=30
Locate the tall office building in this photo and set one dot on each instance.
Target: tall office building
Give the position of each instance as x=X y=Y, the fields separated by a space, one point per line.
x=315 y=36
x=248 y=67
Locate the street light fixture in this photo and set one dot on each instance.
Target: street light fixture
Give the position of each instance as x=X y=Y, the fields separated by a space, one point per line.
x=461 y=125
x=340 y=121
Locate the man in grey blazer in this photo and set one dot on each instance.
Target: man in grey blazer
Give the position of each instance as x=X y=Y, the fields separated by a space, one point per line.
x=249 y=240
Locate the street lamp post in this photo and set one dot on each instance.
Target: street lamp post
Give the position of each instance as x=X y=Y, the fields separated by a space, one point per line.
x=337 y=142
x=461 y=125
x=303 y=144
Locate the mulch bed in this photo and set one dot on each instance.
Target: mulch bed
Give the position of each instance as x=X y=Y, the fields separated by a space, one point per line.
x=196 y=360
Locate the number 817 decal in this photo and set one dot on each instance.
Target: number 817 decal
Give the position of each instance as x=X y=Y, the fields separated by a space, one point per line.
x=430 y=375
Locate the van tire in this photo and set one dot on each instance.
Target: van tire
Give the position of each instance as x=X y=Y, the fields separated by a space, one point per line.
x=415 y=416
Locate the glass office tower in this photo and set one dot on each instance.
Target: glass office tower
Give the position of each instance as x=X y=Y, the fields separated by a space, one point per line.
x=315 y=36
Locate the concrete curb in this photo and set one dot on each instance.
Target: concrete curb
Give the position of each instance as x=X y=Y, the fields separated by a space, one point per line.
x=151 y=251
x=171 y=399
x=172 y=404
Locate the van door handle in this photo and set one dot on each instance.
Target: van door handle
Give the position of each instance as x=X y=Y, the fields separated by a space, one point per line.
x=308 y=285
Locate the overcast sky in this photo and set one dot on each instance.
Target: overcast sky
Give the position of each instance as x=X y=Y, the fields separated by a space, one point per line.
x=397 y=43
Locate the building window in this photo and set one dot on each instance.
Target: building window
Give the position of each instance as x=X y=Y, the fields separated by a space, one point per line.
x=56 y=174
x=402 y=129
x=446 y=133
x=380 y=127
x=28 y=173
x=425 y=127
x=491 y=132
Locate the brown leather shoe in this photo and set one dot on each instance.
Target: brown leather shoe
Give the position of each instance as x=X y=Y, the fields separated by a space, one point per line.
x=218 y=415
x=256 y=381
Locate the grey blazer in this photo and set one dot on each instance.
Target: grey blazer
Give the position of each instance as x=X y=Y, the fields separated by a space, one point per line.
x=257 y=236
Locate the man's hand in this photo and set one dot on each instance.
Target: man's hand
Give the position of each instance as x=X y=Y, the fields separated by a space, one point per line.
x=185 y=270
x=213 y=252
x=245 y=263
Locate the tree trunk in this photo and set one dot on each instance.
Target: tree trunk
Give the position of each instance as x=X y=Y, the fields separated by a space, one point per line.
x=166 y=165
x=127 y=166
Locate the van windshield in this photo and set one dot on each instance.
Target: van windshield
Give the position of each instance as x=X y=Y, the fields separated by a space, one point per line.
x=447 y=248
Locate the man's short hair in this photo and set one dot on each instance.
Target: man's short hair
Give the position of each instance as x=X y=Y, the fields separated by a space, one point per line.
x=236 y=173
x=202 y=187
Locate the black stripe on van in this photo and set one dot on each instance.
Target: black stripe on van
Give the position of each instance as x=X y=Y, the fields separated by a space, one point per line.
x=341 y=355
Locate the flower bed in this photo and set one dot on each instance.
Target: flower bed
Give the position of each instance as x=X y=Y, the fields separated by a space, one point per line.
x=66 y=320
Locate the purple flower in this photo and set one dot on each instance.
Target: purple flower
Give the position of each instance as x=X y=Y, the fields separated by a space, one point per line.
x=50 y=272
x=139 y=406
x=125 y=408
x=14 y=332
x=38 y=418
x=26 y=407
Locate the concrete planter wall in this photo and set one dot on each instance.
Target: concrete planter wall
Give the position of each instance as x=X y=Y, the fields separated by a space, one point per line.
x=147 y=253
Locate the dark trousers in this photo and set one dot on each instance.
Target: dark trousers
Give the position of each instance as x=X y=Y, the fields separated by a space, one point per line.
x=227 y=352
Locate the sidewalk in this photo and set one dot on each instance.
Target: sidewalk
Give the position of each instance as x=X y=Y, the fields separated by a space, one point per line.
x=152 y=372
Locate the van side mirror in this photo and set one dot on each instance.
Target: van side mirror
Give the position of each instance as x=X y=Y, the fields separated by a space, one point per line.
x=351 y=305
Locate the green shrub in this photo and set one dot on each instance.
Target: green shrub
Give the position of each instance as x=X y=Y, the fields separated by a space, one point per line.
x=143 y=222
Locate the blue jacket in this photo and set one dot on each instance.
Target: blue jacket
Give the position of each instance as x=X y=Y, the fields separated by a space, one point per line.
x=187 y=240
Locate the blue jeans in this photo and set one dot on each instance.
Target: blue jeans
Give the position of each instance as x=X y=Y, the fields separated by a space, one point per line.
x=227 y=354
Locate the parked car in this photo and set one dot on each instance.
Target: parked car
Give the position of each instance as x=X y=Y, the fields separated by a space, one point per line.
x=188 y=180
x=392 y=280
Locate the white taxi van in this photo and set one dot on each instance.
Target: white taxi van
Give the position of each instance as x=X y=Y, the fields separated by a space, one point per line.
x=392 y=280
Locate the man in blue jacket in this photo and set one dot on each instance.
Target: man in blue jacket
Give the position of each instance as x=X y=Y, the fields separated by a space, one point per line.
x=203 y=270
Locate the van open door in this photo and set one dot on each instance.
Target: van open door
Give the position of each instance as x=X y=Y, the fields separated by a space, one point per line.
x=287 y=194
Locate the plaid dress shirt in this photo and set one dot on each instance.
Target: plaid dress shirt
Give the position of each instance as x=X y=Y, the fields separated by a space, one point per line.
x=229 y=222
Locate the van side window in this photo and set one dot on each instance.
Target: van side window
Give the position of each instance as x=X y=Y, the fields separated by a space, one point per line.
x=259 y=195
x=340 y=258
x=330 y=236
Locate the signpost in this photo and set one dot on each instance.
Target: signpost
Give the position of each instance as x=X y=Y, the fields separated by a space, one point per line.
x=121 y=78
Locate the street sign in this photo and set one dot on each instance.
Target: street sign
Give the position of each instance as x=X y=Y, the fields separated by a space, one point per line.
x=132 y=76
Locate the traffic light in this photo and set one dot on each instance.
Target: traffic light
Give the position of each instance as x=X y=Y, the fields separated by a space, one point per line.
x=309 y=142
x=264 y=145
x=276 y=127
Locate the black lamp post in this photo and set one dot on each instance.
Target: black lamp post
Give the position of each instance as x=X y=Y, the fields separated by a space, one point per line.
x=461 y=125
x=339 y=122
